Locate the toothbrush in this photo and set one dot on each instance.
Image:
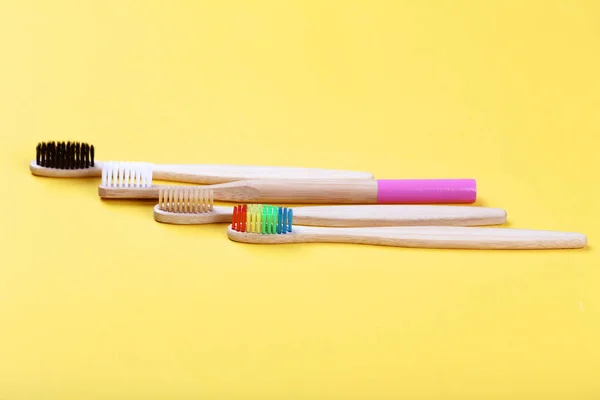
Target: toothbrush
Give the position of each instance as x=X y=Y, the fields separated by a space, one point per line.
x=183 y=205
x=76 y=160
x=134 y=181
x=275 y=226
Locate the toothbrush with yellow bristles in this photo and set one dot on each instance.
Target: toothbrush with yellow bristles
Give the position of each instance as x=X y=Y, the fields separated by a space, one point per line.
x=182 y=205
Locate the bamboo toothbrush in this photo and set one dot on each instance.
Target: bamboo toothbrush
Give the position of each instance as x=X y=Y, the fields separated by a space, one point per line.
x=76 y=160
x=183 y=205
x=134 y=181
x=275 y=226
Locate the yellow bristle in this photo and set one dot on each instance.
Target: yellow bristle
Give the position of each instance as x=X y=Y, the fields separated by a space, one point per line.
x=248 y=218
x=258 y=218
x=254 y=219
x=185 y=199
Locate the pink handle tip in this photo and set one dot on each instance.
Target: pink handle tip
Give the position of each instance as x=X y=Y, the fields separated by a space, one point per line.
x=426 y=191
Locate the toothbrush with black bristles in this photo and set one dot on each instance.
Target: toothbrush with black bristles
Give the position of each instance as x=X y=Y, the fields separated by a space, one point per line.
x=77 y=160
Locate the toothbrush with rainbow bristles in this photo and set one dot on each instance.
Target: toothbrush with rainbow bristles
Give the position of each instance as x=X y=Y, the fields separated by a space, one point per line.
x=77 y=160
x=134 y=181
x=275 y=225
x=182 y=205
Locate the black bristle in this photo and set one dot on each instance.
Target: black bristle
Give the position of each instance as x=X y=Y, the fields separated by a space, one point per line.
x=72 y=156
x=73 y=166
x=45 y=150
x=48 y=155
x=77 y=155
x=51 y=155
x=60 y=155
x=43 y=155
x=69 y=158
x=86 y=155
x=56 y=155
x=58 y=161
x=67 y=150
x=64 y=155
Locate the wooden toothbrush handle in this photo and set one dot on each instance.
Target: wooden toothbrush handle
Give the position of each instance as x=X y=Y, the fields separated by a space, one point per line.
x=398 y=215
x=217 y=215
x=213 y=174
x=299 y=191
x=146 y=193
x=90 y=172
x=424 y=237
x=455 y=237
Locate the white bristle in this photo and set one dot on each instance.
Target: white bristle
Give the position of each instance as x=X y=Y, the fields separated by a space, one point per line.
x=126 y=177
x=136 y=175
x=120 y=179
x=185 y=199
x=104 y=174
x=148 y=173
x=126 y=174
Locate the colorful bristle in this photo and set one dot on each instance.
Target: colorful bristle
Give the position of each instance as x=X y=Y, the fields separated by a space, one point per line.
x=262 y=218
x=64 y=155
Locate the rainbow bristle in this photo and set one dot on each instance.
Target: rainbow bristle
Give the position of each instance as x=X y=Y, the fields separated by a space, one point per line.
x=262 y=219
x=244 y=215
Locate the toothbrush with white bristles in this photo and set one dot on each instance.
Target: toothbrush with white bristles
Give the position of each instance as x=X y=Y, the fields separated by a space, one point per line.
x=134 y=181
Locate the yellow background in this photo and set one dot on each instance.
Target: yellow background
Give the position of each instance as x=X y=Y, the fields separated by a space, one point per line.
x=99 y=301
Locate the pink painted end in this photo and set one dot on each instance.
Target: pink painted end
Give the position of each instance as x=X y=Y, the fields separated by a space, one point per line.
x=426 y=191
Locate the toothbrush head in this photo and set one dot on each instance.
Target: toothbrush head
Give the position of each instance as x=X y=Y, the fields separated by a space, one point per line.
x=189 y=205
x=262 y=219
x=126 y=175
x=185 y=199
x=64 y=160
x=64 y=155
